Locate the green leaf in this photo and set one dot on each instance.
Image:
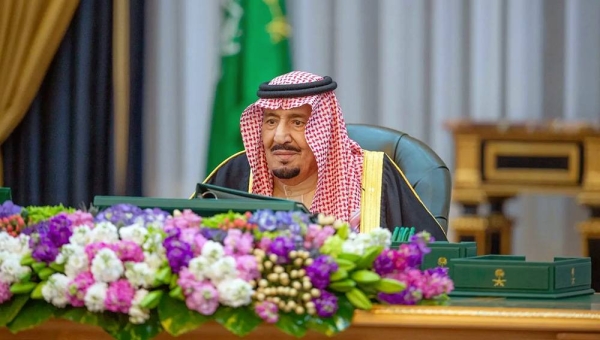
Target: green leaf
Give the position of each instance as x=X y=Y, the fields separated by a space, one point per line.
x=239 y=321
x=11 y=308
x=292 y=324
x=112 y=323
x=34 y=313
x=326 y=326
x=343 y=317
x=82 y=316
x=145 y=331
x=176 y=318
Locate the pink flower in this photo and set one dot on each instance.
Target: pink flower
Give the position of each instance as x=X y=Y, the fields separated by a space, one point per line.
x=203 y=298
x=197 y=244
x=323 y=235
x=265 y=243
x=128 y=251
x=119 y=296
x=186 y=280
x=78 y=287
x=238 y=243
x=187 y=235
x=247 y=267
x=187 y=219
x=267 y=311
x=5 y=293
x=81 y=218
x=436 y=283
x=316 y=235
x=93 y=248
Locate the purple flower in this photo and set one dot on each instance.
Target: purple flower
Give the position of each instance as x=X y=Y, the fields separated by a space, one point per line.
x=5 y=293
x=264 y=219
x=152 y=215
x=320 y=270
x=217 y=235
x=40 y=228
x=267 y=311
x=178 y=253
x=120 y=214
x=44 y=250
x=281 y=246
x=8 y=208
x=409 y=296
x=384 y=263
x=59 y=229
x=326 y=304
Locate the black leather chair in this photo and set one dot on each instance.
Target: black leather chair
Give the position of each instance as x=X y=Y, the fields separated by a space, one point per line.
x=424 y=169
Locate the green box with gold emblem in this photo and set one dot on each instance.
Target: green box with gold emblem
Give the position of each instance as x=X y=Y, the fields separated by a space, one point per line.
x=442 y=252
x=513 y=276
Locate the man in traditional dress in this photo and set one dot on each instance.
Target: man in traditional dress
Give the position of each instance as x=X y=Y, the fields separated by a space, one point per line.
x=297 y=148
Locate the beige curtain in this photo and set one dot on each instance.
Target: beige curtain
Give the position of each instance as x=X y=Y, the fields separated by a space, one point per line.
x=30 y=33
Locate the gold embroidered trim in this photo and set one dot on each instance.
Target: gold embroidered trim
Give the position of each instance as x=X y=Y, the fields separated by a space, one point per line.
x=219 y=167
x=416 y=195
x=250 y=182
x=370 y=202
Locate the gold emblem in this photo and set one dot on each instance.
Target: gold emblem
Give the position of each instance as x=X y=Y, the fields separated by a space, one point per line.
x=572 y=276
x=499 y=280
x=278 y=28
x=442 y=261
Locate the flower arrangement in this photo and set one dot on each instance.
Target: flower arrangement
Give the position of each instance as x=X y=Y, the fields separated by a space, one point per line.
x=137 y=272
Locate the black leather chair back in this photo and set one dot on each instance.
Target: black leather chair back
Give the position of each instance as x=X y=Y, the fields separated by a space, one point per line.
x=424 y=169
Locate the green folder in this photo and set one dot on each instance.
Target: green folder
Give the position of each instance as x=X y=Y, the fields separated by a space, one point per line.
x=5 y=195
x=209 y=200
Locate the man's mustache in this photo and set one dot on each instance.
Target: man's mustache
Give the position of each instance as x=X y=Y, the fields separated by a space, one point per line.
x=284 y=147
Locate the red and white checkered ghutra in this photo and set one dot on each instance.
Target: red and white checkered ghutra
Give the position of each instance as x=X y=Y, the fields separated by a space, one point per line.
x=339 y=159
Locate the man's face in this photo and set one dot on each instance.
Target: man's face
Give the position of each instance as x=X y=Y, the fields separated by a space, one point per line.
x=289 y=157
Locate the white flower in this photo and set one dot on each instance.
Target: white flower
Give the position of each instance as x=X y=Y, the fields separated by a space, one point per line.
x=155 y=260
x=140 y=274
x=135 y=233
x=104 y=232
x=106 y=266
x=11 y=269
x=55 y=290
x=81 y=236
x=77 y=263
x=199 y=266
x=381 y=237
x=223 y=269
x=15 y=245
x=212 y=251
x=235 y=292
x=137 y=314
x=95 y=296
x=153 y=242
x=69 y=250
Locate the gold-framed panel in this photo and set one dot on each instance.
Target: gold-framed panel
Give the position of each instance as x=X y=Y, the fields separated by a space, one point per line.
x=493 y=149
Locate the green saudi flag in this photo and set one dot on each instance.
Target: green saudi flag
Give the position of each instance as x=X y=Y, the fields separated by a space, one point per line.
x=254 y=49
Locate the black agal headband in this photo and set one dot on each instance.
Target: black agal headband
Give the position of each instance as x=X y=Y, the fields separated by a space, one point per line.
x=296 y=90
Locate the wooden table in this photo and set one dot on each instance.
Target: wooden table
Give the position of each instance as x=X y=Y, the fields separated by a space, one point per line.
x=465 y=318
